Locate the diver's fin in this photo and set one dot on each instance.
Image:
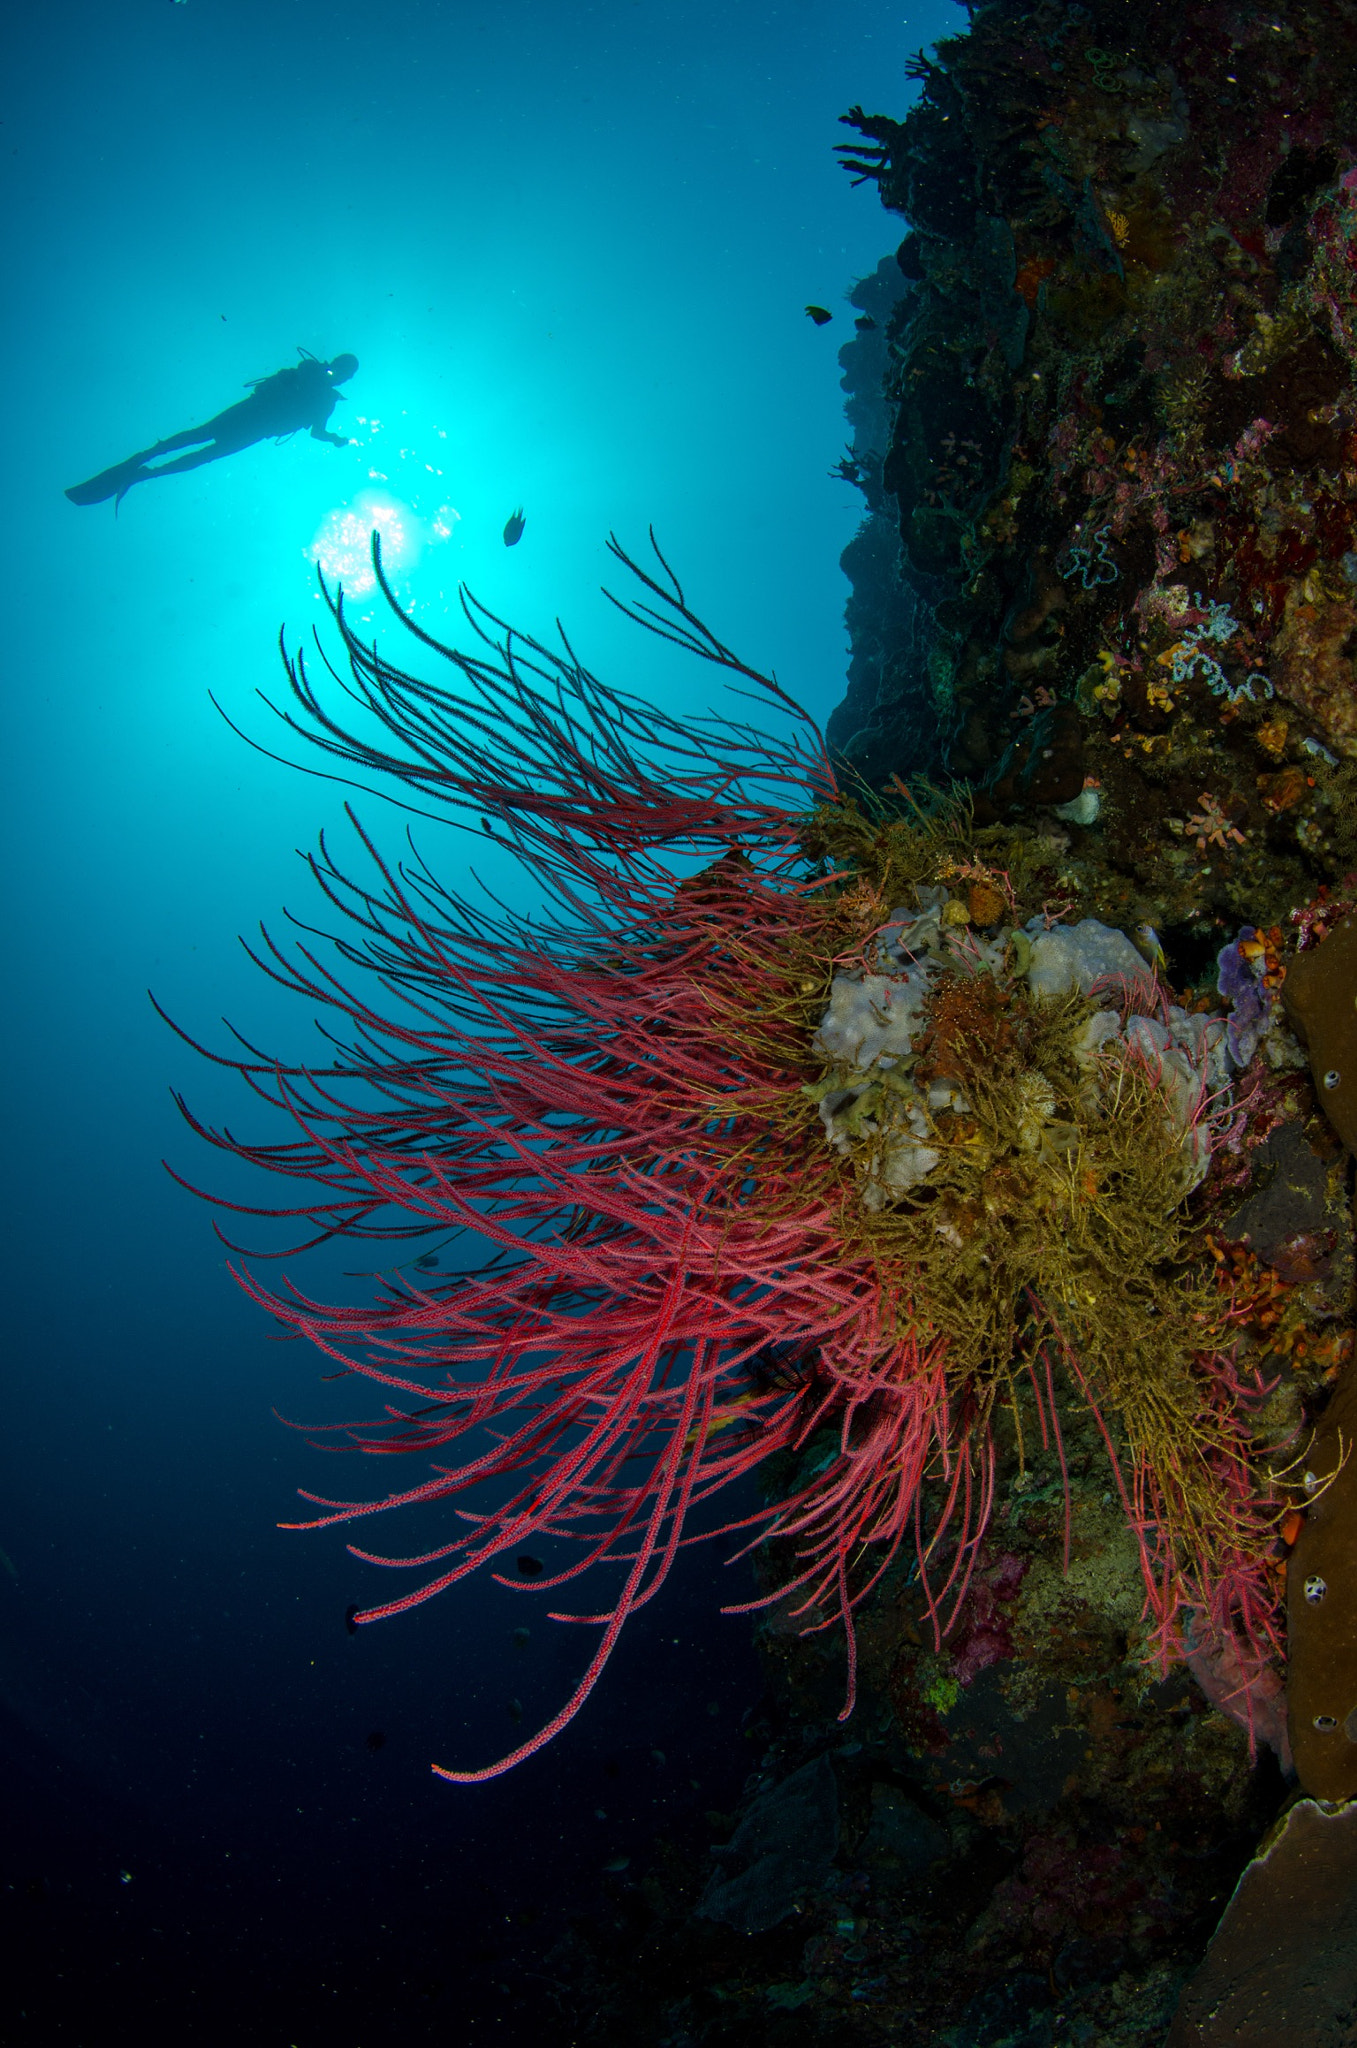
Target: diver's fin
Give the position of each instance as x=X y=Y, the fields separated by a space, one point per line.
x=135 y=473
x=110 y=483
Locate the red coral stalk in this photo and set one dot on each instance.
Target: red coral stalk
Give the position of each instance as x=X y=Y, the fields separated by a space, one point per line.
x=610 y=1099
x=613 y=1098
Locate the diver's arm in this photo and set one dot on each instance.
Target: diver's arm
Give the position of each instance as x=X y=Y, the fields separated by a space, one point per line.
x=338 y=440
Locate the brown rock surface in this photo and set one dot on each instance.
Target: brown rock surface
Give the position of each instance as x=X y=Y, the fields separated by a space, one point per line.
x=1321 y=1603
x=1281 y=1971
x=1320 y=993
x=1313 y=668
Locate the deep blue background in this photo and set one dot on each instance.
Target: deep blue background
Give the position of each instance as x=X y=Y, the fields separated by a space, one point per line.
x=570 y=245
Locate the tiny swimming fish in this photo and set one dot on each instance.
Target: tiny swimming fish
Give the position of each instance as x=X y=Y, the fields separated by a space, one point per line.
x=513 y=528
x=1147 y=939
x=529 y=1567
x=820 y=314
x=1320 y=751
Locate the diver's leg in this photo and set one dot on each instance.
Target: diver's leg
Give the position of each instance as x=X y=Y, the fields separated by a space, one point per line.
x=230 y=425
x=225 y=432
x=234 y=428
x=212 y=453
x=184 y=440
x=115 y=483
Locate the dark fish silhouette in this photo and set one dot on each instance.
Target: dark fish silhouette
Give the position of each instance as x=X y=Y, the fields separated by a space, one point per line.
x=377 y=1740
x=819 y=314
x=350 y=1620
x=515 y=523
x=522 y=1637
x=528 y=1567
x=427 y=1262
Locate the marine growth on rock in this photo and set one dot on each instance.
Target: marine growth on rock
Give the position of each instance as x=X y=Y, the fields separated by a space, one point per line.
x=779 y=1158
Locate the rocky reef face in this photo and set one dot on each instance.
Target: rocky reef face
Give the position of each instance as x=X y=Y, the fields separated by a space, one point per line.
x=1121 y=461
x=882 y=719
x=1104 y=409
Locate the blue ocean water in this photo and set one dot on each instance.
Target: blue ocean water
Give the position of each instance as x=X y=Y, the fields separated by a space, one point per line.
x=570 y=246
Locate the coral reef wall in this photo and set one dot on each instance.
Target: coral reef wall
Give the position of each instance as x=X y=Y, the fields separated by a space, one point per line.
x=1103 y=400
x=881 y=720
x=1121 y=461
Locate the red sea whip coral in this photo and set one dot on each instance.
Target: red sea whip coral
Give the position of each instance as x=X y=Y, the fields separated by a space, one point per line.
x=621 y=1099
x=602 y=1096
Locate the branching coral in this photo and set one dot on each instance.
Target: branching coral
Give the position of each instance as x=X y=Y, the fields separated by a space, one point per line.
x=715 y=1230
x=1211 y=826
x=1024 y=1157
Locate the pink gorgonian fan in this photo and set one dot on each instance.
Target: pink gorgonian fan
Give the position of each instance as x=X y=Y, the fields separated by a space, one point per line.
x=610 y=1097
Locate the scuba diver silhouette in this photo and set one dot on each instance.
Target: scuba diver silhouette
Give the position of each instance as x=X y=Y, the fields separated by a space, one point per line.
x=303 y=395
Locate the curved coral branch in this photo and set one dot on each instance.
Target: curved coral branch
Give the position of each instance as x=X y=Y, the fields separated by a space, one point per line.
x=610 y=1098
x=706 y=1239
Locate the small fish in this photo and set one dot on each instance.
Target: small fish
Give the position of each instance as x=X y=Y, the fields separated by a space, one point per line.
x=1320 y=752
x=515 y=1710
x=1147 y=939
x=351 y=1619
x=528 y=1567
x=618 y=1864
x=515 y=523
x=522 y=1637
x=427 y=1262
x=376 y=1740
x=820 y=315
